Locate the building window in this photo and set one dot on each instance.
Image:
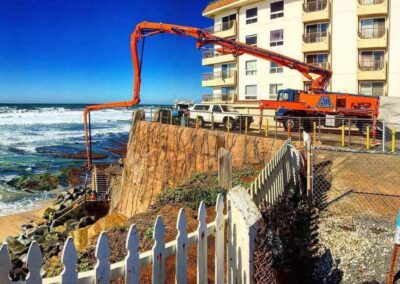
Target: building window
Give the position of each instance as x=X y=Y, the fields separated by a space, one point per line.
x=316 y=33
x=251 y=67
x=277 y=9
x=372 y=28
x=275 y=68
x=315 y=5
x=273 y=90
x=251 y=40
x=318 y=59
x=227 y=93
x=371 y=60
x=372 y=88
x=276 y=38
x=251 y=16
x=307 y=86
x=251 y=92
x=228 y=22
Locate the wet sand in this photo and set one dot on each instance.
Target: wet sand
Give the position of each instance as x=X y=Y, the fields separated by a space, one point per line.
x=11 y=225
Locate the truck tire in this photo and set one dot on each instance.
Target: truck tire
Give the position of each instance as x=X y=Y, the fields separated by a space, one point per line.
x=294 y=124
x=362 y=127
x=200 y=122
x=307 y=125
x=231 y=124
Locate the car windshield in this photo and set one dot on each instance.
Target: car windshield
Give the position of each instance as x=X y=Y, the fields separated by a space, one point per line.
x=228 y=109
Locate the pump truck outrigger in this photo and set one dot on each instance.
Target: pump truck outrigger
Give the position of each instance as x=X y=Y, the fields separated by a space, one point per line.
x=295 y=101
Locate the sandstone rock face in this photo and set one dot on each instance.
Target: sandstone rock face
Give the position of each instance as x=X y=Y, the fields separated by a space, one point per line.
x=163 y=156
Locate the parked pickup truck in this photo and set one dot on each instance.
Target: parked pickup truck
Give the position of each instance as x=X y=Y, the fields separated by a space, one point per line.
x=220 y=113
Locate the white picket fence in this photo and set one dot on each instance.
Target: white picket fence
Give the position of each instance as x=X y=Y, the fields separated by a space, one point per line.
x=275 y=177
x=134 y=261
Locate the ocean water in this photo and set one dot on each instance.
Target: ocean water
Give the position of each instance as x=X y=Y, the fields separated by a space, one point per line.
x=33 y=136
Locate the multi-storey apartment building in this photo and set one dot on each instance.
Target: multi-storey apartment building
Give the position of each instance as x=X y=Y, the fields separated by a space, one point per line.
x=359 y=40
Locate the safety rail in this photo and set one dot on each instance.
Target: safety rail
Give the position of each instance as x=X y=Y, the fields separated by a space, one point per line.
x=315 y=37
x=314 y=5
x=210 y=53
x=324 y=65
x=330 y=131
x=370 y=2
x=218 y=75
x=130 y=267
x=217 y=98
x=366 y=33
x=220 y=27
x=371 y=65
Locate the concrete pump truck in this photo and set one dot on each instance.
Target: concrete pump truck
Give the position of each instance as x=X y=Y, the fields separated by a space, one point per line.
x=289 y=103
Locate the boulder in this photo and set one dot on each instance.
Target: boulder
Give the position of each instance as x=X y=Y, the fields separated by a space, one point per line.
x=38 y=231
x=86 y=221
x=59 y=207
x=84 y=236
x=26 y=226
x=15 y=246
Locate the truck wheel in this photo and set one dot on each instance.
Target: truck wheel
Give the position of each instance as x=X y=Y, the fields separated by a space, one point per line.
x=229 y=125
x=200 y=121
x=362 y=127
x=307 y=125
x=294 y=124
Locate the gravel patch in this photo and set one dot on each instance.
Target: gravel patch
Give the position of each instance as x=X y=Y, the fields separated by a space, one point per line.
x=353 y=250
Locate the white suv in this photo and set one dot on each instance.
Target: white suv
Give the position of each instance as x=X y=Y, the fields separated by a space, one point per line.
x=204 y=113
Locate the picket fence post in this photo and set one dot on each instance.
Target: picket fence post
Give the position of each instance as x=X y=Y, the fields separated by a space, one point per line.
x=102 y=268
x=132 y=264
x=5 y=264
x=219 y=240
x=158 y=252
x=181 y=255
x=69 y=275
x=202 y=275
x=34 y=263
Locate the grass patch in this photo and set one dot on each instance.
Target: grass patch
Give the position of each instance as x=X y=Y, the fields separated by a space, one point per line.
x=204 y=187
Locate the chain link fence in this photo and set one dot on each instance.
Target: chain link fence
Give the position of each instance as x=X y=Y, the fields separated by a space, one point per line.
x=356 y=194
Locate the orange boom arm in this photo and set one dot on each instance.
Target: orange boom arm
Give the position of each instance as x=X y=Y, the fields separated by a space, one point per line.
x=202 y=38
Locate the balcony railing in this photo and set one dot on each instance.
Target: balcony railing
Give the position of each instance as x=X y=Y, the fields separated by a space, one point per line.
x=371 y=65
x=218 y=75
x=371 y=32
x=217 y=98
x=209 y=53
x=315 y=37
x=220 y=27
x=324 y=65
x=370 y=2
x=314 y=6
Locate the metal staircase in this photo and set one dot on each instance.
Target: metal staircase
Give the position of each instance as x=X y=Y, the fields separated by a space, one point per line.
x=100 y=182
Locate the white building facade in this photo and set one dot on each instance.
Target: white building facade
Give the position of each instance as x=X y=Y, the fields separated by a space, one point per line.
x=356 y=39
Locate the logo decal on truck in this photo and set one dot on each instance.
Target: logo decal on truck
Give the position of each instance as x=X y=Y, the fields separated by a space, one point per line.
x=325 y=102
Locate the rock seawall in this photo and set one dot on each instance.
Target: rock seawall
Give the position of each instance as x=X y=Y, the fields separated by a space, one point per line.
x=163 y=156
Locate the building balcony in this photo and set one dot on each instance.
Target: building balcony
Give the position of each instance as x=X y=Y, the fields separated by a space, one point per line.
x=211 y=98
x=211 y=57
x=314 y=42
x=219 y=79
x=224 y=30
x=316 y=10
x=372 y=38
x=372 y=7
x=372 y=70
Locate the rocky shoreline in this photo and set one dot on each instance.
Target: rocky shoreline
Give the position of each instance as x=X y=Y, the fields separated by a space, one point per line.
x=48 y=233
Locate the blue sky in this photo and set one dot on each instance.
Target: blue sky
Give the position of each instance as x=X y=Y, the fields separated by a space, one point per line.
x=78 y=51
